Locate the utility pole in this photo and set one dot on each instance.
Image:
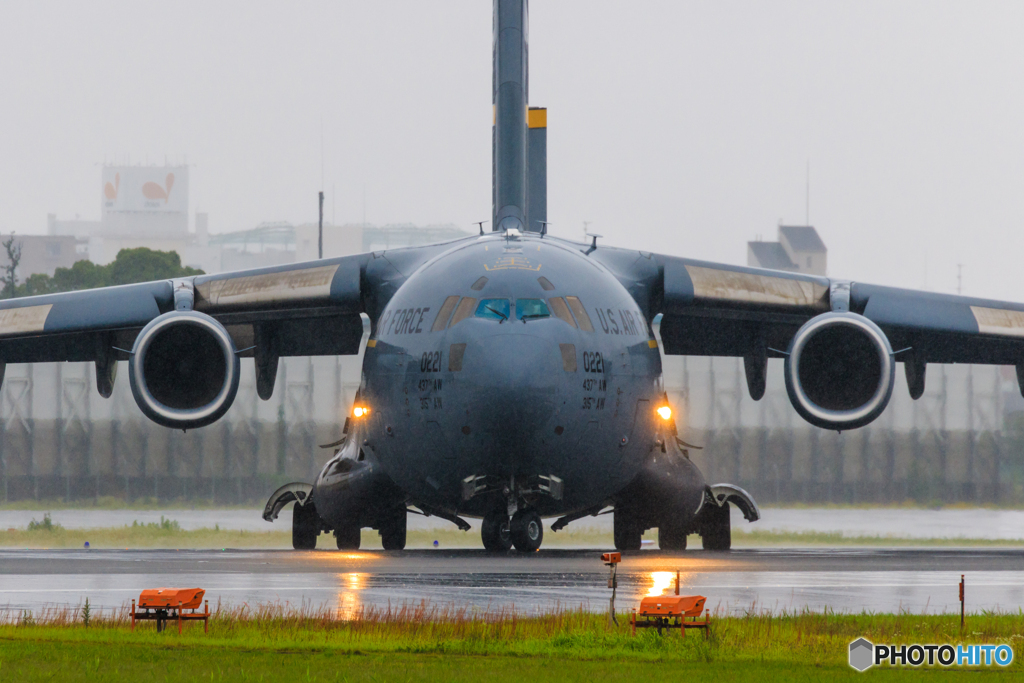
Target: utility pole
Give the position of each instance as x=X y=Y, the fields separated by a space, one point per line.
x=321 y=241
x=807 y=196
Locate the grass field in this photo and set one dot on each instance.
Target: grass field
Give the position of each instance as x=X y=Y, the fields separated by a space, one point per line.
x=421 y=643
x=168 y=534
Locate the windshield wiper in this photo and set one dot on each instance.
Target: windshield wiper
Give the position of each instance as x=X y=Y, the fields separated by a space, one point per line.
x=498 y=313
x=528 y=316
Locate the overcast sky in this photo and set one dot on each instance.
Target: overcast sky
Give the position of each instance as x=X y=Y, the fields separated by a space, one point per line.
x=679 y=127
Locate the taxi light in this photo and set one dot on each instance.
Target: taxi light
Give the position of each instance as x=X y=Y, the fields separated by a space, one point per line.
x=360 y=411
x=665 y=412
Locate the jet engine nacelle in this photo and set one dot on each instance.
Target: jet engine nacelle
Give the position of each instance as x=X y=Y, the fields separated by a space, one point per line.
x=839 y=371
x=184 y=370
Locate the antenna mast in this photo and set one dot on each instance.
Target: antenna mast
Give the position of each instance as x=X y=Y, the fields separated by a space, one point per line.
x=807 y=197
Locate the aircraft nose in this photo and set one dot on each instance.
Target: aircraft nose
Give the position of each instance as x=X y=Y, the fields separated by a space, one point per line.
x=514 y=384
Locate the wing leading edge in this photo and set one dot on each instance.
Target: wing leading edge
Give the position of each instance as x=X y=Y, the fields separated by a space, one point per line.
x=302 y=309
x=819 y=326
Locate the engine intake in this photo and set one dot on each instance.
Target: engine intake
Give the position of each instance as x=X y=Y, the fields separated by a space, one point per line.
x=840 y=371
x=184 y=370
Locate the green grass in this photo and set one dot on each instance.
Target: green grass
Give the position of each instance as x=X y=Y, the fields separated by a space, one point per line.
x=167 y=534
x=115 y=503
x=419 y=642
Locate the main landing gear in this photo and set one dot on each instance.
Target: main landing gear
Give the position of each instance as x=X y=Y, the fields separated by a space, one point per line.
x=524 y=531
x=347 y=536
x=715 y=527
x=392 y=530
x=391 y=527
x=305 y=527
x=713 y=522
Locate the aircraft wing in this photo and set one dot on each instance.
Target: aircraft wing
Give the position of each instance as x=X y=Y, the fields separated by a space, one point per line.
x=183 y=337
x=308 y=309
x=711 y=309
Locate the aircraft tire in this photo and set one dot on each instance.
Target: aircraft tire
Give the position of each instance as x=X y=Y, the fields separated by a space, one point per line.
x=305 y=528
x=392 y=533
x=671 y=537
x=347 y=537
x=626 y=532
x=716 y=531
x=527 y=531
x=496 y=532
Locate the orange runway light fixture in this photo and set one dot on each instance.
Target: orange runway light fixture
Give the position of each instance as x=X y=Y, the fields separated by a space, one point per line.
x=672 y=611
x=164 y=604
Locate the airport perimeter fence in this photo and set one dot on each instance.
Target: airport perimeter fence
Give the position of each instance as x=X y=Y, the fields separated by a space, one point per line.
x=59 y=440
x=961 y=442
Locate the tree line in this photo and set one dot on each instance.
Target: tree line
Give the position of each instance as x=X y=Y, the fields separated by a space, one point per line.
x=130 y=266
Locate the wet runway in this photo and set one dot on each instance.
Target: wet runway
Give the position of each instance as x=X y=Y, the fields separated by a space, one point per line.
x=850 y=580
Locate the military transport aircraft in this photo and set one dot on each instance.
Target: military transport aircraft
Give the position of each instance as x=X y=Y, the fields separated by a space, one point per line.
x=512 y=375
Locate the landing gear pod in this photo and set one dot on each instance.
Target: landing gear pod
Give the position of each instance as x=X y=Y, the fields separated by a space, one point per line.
x=839 y=371
x=184 y=370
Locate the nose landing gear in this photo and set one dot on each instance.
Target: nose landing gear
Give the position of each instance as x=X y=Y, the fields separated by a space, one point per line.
x=495 y=531
x=527 y=531
x=524 y=531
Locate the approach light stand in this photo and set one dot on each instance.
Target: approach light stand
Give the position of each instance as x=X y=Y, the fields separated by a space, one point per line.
x=961 y=603
x=611 y=560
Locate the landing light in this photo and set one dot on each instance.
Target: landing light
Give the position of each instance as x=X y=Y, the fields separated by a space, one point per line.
x=360 y=411
x=665 y=412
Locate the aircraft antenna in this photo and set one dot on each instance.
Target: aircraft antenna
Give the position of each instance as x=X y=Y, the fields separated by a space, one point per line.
x=320 y=244
x=959 y=278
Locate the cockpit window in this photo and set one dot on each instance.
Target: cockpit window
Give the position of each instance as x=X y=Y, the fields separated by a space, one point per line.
x=530 y=309
x=441 y=321
x=493 y=309
x=464 y=310
x=561 y=310
x=581 y=313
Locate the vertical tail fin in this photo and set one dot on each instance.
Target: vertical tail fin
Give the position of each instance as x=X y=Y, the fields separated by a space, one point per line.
x=510 y=90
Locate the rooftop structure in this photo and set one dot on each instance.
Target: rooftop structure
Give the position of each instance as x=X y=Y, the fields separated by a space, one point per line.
x=799 y=249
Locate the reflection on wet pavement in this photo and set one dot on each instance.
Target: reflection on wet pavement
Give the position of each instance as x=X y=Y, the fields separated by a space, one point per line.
x=842 y=580
x=660 y=582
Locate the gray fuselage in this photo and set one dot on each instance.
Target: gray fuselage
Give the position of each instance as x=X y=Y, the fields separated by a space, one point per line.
x=572 y=397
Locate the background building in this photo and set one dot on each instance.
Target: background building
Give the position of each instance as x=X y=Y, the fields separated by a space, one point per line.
x=140 y=206
x=799 y=250
x=44 y=253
